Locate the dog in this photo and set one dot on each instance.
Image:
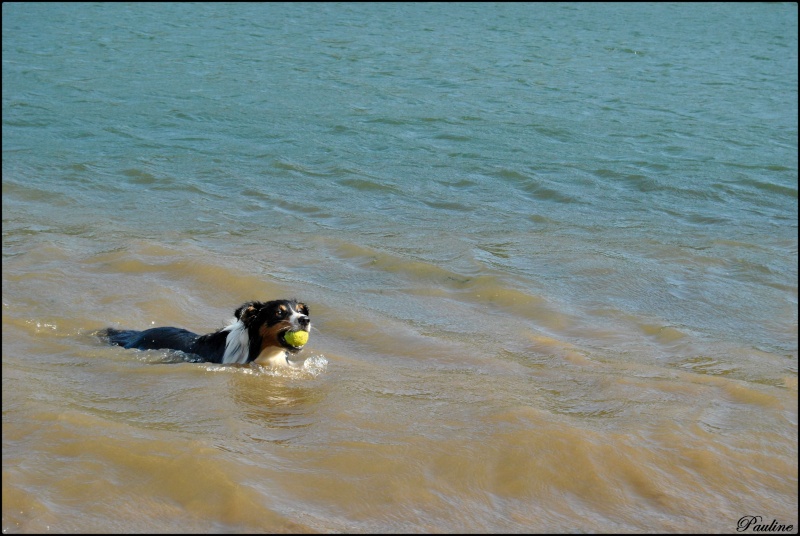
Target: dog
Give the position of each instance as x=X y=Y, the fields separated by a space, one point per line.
x=257 y=335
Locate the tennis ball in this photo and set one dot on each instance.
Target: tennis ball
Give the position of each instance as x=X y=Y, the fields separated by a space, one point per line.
x=296 y=338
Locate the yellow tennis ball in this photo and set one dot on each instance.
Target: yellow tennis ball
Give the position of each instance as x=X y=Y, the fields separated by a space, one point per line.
x=296 y=338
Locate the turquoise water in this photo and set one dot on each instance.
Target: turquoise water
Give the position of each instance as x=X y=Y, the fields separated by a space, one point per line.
x=537 y=140
x=498 y=184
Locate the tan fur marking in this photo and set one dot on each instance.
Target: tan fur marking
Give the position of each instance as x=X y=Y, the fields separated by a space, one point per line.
x=269 y=334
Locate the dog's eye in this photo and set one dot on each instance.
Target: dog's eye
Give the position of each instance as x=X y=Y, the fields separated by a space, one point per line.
x=280 y=313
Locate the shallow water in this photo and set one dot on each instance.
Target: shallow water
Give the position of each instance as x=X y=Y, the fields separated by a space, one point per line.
x=550 y=253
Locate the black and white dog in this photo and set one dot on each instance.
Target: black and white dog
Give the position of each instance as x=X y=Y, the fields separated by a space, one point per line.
x=258 y=334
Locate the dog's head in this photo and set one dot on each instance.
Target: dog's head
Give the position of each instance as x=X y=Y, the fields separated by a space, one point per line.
x=267 y=323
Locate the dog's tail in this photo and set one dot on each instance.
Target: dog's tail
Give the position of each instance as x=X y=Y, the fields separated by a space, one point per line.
x=122 y=337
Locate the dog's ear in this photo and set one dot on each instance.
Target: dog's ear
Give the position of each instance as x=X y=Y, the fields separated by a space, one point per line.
x=247 y=311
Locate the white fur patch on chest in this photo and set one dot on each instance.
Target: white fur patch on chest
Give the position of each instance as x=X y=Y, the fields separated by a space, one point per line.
x=237 y=344
x=273 y=357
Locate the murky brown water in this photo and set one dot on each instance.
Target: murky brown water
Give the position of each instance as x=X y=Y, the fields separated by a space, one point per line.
x=387 y=429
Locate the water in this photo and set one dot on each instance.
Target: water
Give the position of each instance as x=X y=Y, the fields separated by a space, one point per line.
x=550 y=252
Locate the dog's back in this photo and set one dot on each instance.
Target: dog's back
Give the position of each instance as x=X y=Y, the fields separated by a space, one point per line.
x=166 y=338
